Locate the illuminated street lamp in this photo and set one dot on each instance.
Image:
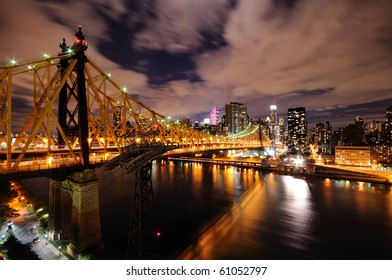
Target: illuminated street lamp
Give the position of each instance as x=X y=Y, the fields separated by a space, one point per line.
x=50 y=159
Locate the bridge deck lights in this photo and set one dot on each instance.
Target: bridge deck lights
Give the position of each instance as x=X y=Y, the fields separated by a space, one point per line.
x=46 y=56
x=13 y=62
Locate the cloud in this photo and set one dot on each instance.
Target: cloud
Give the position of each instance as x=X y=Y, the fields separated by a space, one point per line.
x=311 y=45
x=183 y=57
x=179 y=24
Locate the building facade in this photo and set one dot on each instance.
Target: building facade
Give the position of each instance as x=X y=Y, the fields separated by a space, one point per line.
x=214 y=116
x=236 y=117
x=352 y=155
x=297 y=129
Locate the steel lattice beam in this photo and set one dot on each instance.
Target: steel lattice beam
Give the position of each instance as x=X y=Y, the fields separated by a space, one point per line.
x=111 y=112
x=143 y=235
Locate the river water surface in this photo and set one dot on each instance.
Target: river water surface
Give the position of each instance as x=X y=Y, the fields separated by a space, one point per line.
x=208 y=211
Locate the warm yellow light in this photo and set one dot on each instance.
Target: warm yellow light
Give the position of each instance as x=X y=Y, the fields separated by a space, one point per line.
x=50 y=159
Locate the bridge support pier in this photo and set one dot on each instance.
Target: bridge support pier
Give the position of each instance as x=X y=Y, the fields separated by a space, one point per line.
x=143 y=234
x=86 y=224
x=59 y=221
x=79 y=216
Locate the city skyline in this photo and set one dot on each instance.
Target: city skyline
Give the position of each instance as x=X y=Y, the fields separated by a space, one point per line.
x=182 y=58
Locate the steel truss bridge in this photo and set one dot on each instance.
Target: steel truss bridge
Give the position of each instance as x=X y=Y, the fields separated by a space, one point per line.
x=90 y=113
x=65 y=110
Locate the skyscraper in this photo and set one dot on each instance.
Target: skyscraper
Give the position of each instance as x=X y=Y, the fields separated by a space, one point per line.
x=388 y=125
x=273 y=115
x=236 y=117
x=322 y=137
x=214 y=116
x=297 y=128
x=274 y=125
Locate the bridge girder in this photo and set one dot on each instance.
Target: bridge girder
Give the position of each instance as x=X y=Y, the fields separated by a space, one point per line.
x=115 y=118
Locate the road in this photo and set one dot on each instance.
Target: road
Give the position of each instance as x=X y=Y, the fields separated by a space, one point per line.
x=25 y=229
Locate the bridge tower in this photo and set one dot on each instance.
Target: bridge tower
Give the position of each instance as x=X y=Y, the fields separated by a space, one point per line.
x=72 y=106
x=143 y=234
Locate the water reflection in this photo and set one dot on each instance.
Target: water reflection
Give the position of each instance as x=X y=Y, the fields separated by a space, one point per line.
x=222 y=212
x=291 y=218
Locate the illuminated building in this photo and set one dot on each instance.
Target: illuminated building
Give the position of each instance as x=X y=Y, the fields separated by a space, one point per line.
x=297 y=129
x=236 y=117
x=352 y=155
x=359 y=122
x=388 y=126
x=322 y=137
x=274 y=125
x=117 y=116
x=214 y=116
x=273 y=115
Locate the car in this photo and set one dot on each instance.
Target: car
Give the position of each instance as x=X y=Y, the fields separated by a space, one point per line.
x=36 y=239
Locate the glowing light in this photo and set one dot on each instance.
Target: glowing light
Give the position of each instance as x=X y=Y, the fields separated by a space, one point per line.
x=299 y=161
x=124 y=89
x=46 y=56
x=13 y=61
x=50 y=159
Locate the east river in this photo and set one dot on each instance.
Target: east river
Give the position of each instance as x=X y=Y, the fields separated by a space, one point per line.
x=208 y=211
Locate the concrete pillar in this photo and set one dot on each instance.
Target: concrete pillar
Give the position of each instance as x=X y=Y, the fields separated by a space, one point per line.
x=86 y=225
x=59 y=220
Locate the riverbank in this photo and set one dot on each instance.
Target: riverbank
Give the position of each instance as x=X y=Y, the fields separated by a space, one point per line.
x=325 y=171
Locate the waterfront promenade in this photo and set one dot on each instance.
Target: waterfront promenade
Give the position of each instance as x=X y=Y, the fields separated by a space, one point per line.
x=367 y=174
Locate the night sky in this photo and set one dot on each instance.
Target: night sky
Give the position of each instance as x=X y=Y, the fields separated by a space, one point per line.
x=183 y=57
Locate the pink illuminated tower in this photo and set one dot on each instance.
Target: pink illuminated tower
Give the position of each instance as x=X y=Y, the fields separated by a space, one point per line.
x=214 y=116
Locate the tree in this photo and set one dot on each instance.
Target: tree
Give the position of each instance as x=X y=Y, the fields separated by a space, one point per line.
x=18 y=250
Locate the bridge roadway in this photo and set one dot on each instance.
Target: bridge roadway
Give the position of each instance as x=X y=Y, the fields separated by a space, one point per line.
x=61 y=159
x=25 y=228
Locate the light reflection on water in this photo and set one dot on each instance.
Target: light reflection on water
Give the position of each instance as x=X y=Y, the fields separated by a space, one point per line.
x=202 y=207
